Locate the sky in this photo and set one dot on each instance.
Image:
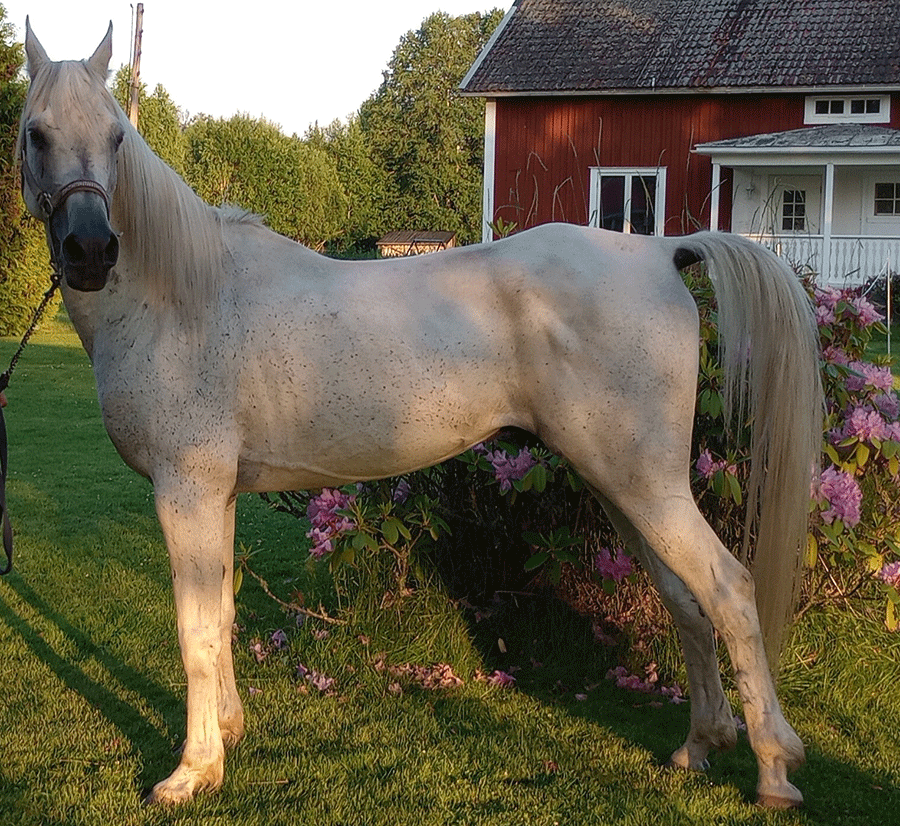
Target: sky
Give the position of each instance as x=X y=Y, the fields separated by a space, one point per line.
x=293 y=62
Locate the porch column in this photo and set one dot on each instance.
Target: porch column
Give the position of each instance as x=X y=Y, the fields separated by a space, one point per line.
x=714 y=197
x=490 y=149
x=828 y=212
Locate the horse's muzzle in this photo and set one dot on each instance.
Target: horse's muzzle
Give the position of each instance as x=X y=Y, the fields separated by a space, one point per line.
x=86 y=260
x=85 y=244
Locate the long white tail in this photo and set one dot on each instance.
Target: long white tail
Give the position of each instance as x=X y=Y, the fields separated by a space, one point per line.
x=769 y=348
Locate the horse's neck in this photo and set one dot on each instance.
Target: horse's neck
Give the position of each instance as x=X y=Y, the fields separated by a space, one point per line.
x=95 y=315
x=83 y=310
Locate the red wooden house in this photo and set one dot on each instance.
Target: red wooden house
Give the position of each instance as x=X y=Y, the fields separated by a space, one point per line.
x=774 y=118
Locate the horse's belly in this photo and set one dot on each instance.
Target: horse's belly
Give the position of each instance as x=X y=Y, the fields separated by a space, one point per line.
x=384 y=431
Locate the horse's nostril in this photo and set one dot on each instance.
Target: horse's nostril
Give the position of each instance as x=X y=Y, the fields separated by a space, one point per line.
x=73 y=251
x=112 y=250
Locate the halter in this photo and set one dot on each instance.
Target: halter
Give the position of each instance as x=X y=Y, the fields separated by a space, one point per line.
x=48 y=202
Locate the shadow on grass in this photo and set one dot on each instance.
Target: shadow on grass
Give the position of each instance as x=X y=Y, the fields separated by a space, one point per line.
x=836 y=791
x=152 y=746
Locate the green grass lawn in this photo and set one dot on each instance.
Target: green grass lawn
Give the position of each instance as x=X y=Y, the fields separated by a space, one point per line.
x=92 y=692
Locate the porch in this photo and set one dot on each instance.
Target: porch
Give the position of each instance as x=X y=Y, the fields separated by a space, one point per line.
x=825 y=198
x=844 y=261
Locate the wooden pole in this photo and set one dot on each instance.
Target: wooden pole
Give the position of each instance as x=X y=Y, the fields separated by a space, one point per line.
x=136 y=66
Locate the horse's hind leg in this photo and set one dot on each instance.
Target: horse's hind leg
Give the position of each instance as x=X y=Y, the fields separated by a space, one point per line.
x=665 y=514
x=712 y=723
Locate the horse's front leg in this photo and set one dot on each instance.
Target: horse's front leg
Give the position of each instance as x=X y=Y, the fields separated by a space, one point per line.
x=195 y=521
x=231 y=711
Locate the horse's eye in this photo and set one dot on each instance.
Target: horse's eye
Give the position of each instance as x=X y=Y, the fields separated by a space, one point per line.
x=38 y=141
x=118 y=137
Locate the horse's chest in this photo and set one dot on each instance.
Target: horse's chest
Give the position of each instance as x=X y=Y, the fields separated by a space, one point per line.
x=157 y=405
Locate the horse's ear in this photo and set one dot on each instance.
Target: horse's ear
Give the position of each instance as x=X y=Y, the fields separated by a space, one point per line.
x=34 y=51
x=99 y=60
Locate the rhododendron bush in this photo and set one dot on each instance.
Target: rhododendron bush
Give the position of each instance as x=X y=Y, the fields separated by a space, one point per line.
x=525 y=511
x=854 y=535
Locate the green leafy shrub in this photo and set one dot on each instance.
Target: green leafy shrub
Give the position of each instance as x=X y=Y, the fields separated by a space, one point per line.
x=24 y=271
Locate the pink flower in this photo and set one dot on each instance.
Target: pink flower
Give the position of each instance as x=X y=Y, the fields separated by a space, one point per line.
x=835 y=355
x=890 y=574
x=865 y=312
x=707 y=467
x=327 y=522
x=865 y=424
x=843 y=495
x=317 y=680
x=705 y=464
x=825 y=315
x=870 y=376
x=613 y=564
x=888 y=404
x=892 y=432
x=501 y=679
x=508 y=469
x=828 y=297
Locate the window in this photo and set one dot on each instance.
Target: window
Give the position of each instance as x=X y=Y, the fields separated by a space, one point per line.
x=887 y=199
x=829 y=107
x=626 y=200
x=793 y=210
x=848 y=109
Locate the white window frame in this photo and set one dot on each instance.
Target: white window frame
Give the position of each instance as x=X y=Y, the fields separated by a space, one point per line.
x=870 y=216
x=794 y=218
x=811 y=117
x=629 y=173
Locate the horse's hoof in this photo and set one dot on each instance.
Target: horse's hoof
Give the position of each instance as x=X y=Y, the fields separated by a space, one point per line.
x=787 y=796
x=182 y=785
x=696 y=766
x=771 y=801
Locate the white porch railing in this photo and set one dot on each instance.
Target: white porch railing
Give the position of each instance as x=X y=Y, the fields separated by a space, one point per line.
x=851 y=260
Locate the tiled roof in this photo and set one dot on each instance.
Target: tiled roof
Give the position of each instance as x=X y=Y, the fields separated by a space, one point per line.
x=557 y=46
x=836 y=136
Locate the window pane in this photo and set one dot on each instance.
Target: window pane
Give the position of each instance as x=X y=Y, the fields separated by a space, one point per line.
x=643 y=200
x=884 y=190
x=612 y=202
x=857 y=107
x=873 y=107
x=837 y=107
x=821 y=107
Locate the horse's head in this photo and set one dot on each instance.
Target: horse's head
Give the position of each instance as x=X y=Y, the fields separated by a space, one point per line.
x=69 y=138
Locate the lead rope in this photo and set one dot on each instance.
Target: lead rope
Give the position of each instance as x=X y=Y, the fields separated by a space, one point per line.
x=5 y=525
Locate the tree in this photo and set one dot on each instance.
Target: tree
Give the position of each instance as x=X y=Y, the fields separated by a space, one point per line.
x=159 y=121
x=24 y=269
x=425 y=136
x=250 y=163
x=364 y=182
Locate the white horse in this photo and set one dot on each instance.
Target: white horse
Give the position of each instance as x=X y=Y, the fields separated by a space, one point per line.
x=230 y=359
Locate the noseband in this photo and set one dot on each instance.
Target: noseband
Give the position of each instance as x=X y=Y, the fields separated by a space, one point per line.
x=48 y=202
